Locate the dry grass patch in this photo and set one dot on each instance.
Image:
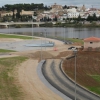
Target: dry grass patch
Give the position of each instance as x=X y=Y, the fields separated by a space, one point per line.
x=9 y=90
x=39 y=54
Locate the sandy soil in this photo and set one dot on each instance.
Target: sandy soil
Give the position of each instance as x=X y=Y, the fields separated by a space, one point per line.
x=31 y=85
x=33 y=88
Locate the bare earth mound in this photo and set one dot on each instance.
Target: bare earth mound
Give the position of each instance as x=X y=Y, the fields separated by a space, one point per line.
x=39 y=54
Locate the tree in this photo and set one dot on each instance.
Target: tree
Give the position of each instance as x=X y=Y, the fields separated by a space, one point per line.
x=99 y=18
x=79 y=18
x=55 y=19
x=46 y=8
x=35 y=13
x=45 y=18
x=64 y=7
x=94 y=17
x=89 y=18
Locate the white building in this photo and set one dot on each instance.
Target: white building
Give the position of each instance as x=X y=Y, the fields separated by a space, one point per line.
x=84 y=14
x=73 y=14
x=71 y=10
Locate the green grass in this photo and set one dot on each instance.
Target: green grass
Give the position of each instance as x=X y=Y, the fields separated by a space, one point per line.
x=96 y=77
x=4 y=51
x=9 y=89
x=94 y=89
x=71 y=39
x=14 y=36
x=75 y=40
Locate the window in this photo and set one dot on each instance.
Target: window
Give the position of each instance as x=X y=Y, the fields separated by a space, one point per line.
x=91 y=42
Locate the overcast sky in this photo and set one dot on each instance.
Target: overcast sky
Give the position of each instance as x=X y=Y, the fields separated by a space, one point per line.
x=87 y=3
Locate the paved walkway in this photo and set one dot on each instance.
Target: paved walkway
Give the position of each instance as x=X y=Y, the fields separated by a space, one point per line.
x=51 y=71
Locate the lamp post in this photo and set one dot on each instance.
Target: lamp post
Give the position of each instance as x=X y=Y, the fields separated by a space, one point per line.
x=45 y=38
x=74 y=56
x=9 y=28
x=32 y=29
x=41 y=46
x=32 y=26
x=64 y=34
x=75 y=52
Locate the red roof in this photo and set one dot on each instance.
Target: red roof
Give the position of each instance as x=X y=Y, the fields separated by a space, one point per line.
x=92 y=39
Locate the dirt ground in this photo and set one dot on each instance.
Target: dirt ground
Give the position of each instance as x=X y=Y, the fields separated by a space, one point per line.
x=28 y=79
x=87 y=69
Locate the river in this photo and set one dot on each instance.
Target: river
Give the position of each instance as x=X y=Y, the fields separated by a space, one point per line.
x=55 y=32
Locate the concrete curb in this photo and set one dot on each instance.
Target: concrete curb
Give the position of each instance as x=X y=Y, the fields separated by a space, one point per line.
x=42 y=78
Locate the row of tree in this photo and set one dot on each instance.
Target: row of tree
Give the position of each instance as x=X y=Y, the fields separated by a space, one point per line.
x=27 y=7
x=19 y=8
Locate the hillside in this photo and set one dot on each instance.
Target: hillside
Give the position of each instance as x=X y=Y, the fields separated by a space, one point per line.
x=87 y=70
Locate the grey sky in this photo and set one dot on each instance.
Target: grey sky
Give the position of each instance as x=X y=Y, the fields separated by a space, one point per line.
x=87 y=3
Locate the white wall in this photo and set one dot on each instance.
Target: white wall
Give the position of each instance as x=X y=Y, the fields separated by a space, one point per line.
x=93 y=45
x=72 y=15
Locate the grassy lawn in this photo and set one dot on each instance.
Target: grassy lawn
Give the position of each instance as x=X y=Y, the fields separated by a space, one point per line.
x=70 y=39
x=75 y=40
x=14 y=36
x=9 y=89
x=4 y=51
x=96 y=77
x=95 y=89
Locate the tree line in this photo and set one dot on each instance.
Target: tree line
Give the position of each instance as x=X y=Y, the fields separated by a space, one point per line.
x=27 y=7
x=19 y=8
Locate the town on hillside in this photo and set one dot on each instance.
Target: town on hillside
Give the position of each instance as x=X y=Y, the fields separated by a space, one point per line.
x=55 y=12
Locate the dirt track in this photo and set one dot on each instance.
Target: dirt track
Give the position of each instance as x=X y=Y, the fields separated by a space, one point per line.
x=33 y=88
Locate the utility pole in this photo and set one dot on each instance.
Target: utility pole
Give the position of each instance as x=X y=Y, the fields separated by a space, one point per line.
x=75 y=52
x=45 y=38
x=32 y=26
x=41 y=47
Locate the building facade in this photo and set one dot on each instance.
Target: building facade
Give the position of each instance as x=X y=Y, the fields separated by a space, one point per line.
x=92 y=42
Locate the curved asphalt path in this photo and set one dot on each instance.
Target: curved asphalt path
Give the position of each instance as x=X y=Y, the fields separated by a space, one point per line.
x=42 y=78
x=56 y=78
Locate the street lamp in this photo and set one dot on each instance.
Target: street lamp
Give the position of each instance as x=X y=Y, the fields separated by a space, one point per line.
x=41 y=46
x=74 y=56
x=64 y=34
x=45 y=38
x=75 y=52
x=32 y=26
x=8 y=24
x=9 y=28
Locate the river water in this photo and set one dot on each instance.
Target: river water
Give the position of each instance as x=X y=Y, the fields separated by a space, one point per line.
x=55 y=32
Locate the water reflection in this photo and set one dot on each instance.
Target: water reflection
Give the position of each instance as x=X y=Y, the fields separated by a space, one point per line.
x=55 y=32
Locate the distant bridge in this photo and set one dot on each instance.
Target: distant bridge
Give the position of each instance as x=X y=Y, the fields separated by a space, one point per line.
x=6 y=24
